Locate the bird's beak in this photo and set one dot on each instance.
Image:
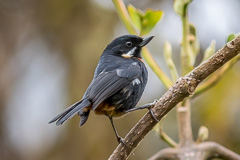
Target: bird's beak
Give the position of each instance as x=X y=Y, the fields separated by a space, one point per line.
x=132 y=51
x=145 y=41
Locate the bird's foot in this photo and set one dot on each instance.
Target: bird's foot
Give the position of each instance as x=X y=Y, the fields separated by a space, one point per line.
x=150 y=110
x=121 y=140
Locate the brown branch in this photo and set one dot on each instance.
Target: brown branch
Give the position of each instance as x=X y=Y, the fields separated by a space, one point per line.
x=218 y=150
x=184 y=87
x=184 y=124
x=205 y=150
x=166 y=154
x=214 y=79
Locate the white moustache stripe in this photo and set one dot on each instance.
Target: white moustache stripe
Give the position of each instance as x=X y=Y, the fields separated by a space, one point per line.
x=130 y=53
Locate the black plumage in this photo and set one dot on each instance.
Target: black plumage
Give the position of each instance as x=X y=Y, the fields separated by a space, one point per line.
x=119 y=81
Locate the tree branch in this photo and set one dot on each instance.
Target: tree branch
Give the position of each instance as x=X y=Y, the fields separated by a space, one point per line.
x=205 y=150
x=184 y=87
x=218 y=150
x=184 y=124
x=214 y=79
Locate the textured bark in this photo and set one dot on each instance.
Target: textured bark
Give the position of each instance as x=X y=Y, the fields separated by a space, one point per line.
x=184 y=87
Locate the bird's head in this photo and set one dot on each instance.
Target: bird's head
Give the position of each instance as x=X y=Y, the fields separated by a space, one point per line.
x=127 y=46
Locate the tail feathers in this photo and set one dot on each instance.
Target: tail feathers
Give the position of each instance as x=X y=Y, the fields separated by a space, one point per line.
x=84 y=117
x=64 y=112
x=70 y=111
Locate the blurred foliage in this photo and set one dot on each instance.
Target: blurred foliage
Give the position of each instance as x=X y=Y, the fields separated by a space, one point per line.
x=209 y=51
x=169 y=61
x=218 y=110
x=74 y=27
x=230 y=37
x=180 y=6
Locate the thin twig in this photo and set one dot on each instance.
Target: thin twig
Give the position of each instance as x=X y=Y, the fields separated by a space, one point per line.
x=167 y=139
x=184 y=87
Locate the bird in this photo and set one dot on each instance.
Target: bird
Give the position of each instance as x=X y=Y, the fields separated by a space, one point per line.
x=117 y=86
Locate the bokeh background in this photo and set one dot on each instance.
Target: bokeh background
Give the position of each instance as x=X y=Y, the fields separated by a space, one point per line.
x=48 y=52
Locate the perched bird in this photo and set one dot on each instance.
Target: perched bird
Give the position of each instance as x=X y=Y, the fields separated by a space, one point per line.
x=118 y=83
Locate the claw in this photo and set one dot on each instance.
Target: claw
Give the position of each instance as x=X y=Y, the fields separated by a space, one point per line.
x=148 y=106
x=150 y=110
x=152 y=114
x=121 y=140
x=154 y=102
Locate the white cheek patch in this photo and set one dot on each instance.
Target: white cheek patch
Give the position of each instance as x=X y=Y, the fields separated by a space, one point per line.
x=136 y=81
x=130 y=53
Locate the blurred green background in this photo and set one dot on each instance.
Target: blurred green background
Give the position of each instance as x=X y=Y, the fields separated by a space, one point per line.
x=48 y=52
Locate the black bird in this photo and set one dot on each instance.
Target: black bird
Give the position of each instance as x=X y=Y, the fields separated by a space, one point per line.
x=118 y=83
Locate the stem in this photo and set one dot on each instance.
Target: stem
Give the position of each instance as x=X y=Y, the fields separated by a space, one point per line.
x=184 y=124
x=186 y=54
x=156 y=68
x=163 y=135
x=123 y=14
x=167 y=139
x=183 y=110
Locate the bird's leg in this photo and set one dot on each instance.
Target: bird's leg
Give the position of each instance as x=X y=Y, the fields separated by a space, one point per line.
x=148 y=106
x=119 y=139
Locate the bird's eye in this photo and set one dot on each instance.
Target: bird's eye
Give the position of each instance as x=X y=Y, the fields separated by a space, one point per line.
x=129 y=44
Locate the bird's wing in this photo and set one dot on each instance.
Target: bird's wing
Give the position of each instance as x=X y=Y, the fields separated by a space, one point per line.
x=108 y=83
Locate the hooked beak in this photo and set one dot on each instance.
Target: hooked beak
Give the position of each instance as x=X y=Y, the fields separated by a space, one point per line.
x=145 y=41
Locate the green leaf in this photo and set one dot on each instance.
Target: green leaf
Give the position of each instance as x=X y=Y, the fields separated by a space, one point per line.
x=149 y=20
x=180 y=6
x=144 y=21
x=231 y=37
x=135 y=16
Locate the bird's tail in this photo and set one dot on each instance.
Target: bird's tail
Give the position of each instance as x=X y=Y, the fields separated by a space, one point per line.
x=71 y=111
